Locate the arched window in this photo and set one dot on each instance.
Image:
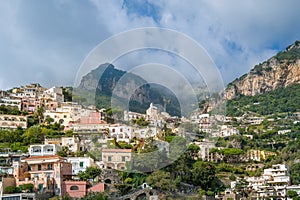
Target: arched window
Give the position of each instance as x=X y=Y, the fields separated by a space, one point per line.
x=74 y=187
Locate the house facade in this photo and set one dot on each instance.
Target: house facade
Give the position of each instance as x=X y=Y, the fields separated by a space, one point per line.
x=79 y=164
x=13 y=121
x=46 y=173
x=43 y=149
x=116 y=158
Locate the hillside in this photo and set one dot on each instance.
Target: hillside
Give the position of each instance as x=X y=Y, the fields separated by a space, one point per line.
x=103 y=80
x=281 y=100
x=279 y=71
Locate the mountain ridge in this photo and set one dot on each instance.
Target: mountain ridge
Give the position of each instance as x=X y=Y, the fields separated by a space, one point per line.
x=108 y=82
x=279 y=71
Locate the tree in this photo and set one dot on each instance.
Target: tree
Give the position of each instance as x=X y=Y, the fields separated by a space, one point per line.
x=97 y=196
x=295 y=173
x=140 y=121
x=27 y=187
x=291 y=194
x=123 y=188
x=64 y=152
x=33 y=135
x=161 y=180
x=49 y=120
x=90 y=173
x=11 y=190
x=16 y=146
x=39 y=114
x=193 y=151
x=242 y=188
x=204 y=175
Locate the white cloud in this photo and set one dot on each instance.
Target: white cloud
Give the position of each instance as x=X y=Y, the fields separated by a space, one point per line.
x=53 y=39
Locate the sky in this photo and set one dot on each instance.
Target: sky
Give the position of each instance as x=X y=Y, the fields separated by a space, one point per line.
x=47 y=41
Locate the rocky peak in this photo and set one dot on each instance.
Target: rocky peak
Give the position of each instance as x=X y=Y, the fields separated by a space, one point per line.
x=281 y=70
x=294 y=46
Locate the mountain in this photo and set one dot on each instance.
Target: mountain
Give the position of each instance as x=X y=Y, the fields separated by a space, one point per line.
x=281 y=100
x=279 y=71
x=110 y=84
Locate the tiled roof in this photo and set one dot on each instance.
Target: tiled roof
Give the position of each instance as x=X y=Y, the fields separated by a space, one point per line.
x=43 y=157
x=117 y=150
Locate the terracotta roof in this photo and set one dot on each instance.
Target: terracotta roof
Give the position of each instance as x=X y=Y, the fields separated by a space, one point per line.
x=43 y=157
x=117 y=150
x=92 y=118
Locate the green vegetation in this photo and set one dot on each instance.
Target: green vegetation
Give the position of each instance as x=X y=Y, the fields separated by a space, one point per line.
x=11 y=190
x=290 y=55
x=20 y=139
x=292 y=194
x=97 y=196
x=67 y=92
x=161 y=181
x=9 y=110
x=27 y=187
x=90 y=173
x=282 y=100
x=108 y=77
x=140 y=121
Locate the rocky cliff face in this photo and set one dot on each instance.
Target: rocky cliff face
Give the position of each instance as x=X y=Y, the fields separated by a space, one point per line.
x=106 y=80
x=103 y=81
x=279 y=71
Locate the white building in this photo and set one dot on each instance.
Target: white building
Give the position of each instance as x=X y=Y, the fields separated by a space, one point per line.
x=43 y=149
x=55 y=93
x=120 y=132
x=88 y=128
x=28 y=91
x=79 y=164
x=145 y=132
x=226 y=131
x=13 y=121
x=63 y=118
x=205 y=147
x=274 y=181
x=280 y=132
x=255 y=120
x=10 y=102
x=71 y=142
x=152 y=112
x=129 y=115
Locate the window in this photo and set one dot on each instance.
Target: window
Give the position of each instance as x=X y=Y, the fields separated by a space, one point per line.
x=39 y=167
x=50 y=166
x=81 y=164
x=123 y=158
x=109 y=158
x=74 y=187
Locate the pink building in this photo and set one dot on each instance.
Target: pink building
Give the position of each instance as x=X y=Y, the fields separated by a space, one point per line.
x=75 y=189
x=78 y=189
x=97 y=188
x=46 y=173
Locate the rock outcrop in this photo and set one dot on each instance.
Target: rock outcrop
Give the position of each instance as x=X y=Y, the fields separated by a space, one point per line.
x=279 y=71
